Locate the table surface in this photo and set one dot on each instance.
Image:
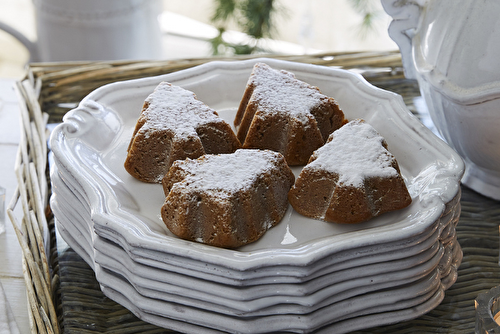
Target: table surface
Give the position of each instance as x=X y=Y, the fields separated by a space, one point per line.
x=11 y=271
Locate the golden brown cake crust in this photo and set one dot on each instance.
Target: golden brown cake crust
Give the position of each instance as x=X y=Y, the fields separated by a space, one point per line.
x=174 y=125
x=283 y=114
x=351 y=179
x=226 y=200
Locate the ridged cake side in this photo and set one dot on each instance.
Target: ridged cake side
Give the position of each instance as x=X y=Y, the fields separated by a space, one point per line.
x=226 y=200
x=175 y=125
x=352 y=178
x=281 y=113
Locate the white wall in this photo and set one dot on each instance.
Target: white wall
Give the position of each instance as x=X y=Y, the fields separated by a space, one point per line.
x=330 y=25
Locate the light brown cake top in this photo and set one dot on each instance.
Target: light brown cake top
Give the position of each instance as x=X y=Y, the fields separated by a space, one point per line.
x=355 y=152
x=175 y=108
x=279 y=91
x=224 y=174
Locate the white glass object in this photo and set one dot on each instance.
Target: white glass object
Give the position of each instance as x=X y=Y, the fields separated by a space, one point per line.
x=93 y=30
x=451 y=48
x=487 y=312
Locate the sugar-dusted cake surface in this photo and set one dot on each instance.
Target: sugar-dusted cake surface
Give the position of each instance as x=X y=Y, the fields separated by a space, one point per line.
x=226 y=200
x=175 y=125
x=281 y=113
x=350 y=179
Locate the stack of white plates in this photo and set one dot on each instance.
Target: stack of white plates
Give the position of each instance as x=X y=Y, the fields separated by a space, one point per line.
x=303 y=275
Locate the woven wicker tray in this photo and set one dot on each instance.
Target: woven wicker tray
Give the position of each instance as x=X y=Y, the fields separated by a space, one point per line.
x=63 y=294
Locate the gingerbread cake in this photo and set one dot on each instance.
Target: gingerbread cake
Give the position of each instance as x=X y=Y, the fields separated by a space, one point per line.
x=175 y=125
x=226 y=200
x=352 y=178
x=281 y=113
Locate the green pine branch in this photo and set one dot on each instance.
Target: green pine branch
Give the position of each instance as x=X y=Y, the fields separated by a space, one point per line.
x=254 y=17
x=370 y=14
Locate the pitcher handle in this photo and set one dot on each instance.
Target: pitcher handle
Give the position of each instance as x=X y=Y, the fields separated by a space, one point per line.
x=406 y=17
x=32 y=47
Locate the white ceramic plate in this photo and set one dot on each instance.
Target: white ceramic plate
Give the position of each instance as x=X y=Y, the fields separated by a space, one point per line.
x=361 y=320
x=382 y=269
x=282 y=301
x=361 y=257
x=257 y=300
x=375 y=314
x=91 y=145
x=390 y=299
x=166 y=311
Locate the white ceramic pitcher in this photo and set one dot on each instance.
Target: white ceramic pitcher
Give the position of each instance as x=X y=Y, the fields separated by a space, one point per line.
x=94 y=30
x=452 y=48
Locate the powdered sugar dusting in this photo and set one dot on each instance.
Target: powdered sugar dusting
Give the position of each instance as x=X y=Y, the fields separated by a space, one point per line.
x=355 y=152
x=280 y=91
x=227 y=173
x=172 y=107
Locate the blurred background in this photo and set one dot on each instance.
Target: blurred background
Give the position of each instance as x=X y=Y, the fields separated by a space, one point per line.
x=190 y=30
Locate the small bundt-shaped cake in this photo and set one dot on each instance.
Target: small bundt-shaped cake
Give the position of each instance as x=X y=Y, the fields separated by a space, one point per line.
x=281 y=113
x=352 y=178
x=226 y=200
x=175 y=125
